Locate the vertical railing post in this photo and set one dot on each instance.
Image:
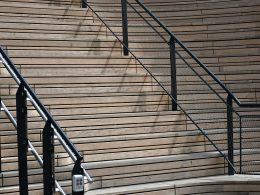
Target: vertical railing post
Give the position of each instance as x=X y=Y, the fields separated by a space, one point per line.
x=22 y=139
x=173 y=73
x=231 y=171
x=83 y=3
x=48 y=157
x=125 y=26
x=77 y=179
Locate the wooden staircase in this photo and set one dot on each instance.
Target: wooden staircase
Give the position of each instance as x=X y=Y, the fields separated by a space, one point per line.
x=110 y=108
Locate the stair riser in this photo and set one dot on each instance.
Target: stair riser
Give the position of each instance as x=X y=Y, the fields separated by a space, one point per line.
x=142 y=175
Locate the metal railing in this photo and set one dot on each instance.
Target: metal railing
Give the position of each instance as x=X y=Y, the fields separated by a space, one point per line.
x=194 y=57
x=164 y=88
x=230 y=96
x=25 y=93
x=178 y=54
x=247 y=147
x=30 y=145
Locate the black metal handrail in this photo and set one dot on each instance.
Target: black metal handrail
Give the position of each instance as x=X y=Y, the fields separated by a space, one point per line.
x=47 y=117
x=170 y=43
x=33 y=150
x=230 y=96
x=194 y=57
x=159 y=83
x=41 y=106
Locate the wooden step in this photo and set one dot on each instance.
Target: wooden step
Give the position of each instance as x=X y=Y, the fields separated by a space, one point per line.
x=101 y=171
x=165 y=170
x=226 y=185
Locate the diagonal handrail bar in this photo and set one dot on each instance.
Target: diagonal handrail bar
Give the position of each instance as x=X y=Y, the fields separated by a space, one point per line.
x=39 y=103
x=163 y=88
x=181 y=57
x=194 y=57
x=230 y=96
x=68 y=145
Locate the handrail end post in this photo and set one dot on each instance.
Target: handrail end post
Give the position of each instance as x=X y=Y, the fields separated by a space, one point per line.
x=78 y=178
x=231 y=170
x=22 y=138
